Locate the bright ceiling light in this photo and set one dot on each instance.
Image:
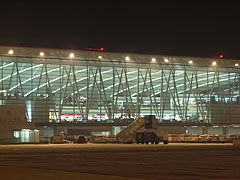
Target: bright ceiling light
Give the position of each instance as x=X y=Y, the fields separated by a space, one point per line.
x=41 y=54
x=11 y=52
x=153 y=59
x=214 y=63
x=127 y=58
x=71 y=55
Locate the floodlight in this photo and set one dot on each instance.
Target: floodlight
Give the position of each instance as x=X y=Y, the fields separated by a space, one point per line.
x=166 y=60
x=127 y=58
x=11 y=52
x=71 y=55
x=153 y=59
x=41 y=54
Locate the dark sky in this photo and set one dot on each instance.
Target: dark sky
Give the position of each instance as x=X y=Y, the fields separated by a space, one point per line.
x=188 y=28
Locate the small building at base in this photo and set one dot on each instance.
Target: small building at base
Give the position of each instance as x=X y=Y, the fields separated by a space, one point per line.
x=14 y=125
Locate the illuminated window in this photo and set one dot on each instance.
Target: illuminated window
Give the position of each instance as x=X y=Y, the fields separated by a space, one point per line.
x=16 y=134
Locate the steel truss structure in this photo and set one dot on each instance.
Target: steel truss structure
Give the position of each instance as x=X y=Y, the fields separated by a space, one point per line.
x=106 y=87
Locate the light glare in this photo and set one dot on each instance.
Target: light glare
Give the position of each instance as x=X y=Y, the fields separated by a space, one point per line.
x=42 y=54
x=236 y=64
x=166 y=60
x=214 y=63
x=100 y=57
x=190 y=62
x=153 y=59
x=10 y=52
x=127 y=58
x=71 y=55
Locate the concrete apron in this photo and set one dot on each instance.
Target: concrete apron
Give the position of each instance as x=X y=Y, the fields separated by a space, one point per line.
x=22 y=173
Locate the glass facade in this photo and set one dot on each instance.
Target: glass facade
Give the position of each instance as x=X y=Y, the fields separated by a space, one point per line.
x=108 y=87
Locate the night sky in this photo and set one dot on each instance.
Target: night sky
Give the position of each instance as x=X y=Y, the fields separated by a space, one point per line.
x=173 y=28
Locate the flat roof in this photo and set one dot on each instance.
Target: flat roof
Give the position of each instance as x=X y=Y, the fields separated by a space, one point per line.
x=62 y=56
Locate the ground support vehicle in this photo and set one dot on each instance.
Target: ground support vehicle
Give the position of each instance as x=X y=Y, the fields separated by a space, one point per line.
x=127 y=135
x=80 y=140
x=59 y=139
x=204 y=138
x=111 y=138
x=44 y=140
x=147 y=137
x=142 y=130
x=76 y=138
x=99 y=138
x=68 y=139
x=213 y=138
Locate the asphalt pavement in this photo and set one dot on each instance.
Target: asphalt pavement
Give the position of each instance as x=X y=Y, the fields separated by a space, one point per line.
x=119 y=161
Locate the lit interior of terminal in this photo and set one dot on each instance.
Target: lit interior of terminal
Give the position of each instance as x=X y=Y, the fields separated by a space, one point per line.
x=64 y=86
x=98 y=92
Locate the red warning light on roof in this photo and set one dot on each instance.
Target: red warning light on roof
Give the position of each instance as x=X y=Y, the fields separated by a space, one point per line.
x=221 y=56
x=92 y=49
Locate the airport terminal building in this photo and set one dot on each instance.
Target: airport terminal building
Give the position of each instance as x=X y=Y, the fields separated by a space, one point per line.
x=70 y=88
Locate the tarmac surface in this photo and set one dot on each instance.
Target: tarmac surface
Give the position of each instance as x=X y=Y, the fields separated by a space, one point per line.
x=119 y=161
